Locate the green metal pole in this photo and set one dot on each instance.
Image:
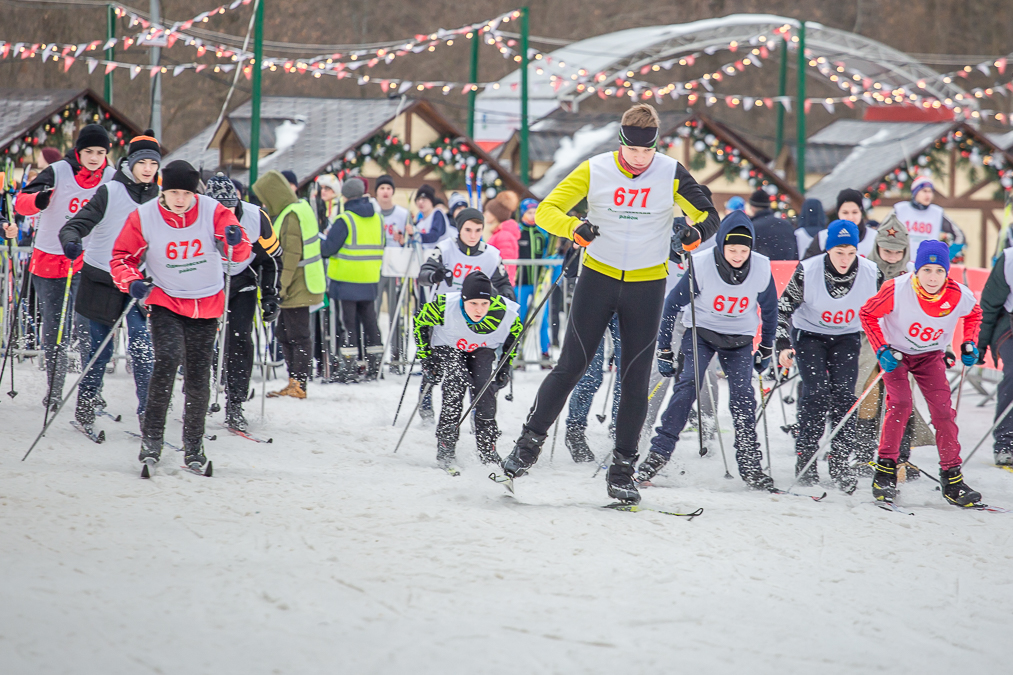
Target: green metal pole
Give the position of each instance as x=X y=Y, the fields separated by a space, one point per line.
x=258 y=56
x=782 y=86
x=800 y=109
x=524 y=173
x=474 y=80
x=107 y=92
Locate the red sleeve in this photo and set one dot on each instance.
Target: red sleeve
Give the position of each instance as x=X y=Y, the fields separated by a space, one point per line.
x=875 y=308
x=24 y=203
x=972 y=324
x=223 y=218
x=127 y=252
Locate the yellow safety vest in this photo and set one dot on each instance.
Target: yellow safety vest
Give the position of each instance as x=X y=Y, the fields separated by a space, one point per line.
x=312 y=263
x=360 y=258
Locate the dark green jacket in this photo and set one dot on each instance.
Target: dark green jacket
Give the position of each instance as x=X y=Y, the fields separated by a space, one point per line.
x=995 y=322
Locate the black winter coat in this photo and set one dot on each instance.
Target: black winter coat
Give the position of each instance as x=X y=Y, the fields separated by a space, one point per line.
x=775 y=237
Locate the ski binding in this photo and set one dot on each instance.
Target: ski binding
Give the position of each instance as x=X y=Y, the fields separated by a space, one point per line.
x=148 y=468
x=507 y=481
x=890 y=506
x=99 y=437
x=197 y=469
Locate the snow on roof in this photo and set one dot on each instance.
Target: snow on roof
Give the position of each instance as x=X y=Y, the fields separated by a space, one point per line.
x=23 y=110
x=877 y=147
x=1002 y=141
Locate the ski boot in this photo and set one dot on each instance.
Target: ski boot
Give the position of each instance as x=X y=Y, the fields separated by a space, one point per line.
x=194 y=457
x=884 y=481
x=374 y=355
x=955 y=490
x=841 y=473
x=619 y=479
x=445 y=454
x=486 y=434
x=576 y=443
x=1003 y=457
x=866 y=442
x=150 y=450
x=756 y=479
x=84 y=413
x=525 y=453
x=810 y=477
x=234 y=416
x=650 y=467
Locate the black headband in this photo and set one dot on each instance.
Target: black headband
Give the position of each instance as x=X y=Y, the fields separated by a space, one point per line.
x=640 y=137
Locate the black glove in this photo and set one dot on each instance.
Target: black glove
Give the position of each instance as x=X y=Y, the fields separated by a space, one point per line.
x=270 y=308
x=139 y=290
x=949 y=358
x=666 y=362
x=42 y=198
x=690 y=238
x=233 y=235
x=762 y=358
x=585 y=234
x=73 y=249
x=503 y=377
x=441 y=274
x=431 y=370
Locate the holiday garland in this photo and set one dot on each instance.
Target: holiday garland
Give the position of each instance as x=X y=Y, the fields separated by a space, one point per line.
x=971 y=154
x=58 y=131
x=706 y=144
x=451 y=159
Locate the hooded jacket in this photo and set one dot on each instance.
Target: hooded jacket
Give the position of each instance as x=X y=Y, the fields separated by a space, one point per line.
x=505 y=239
x=811 y=220
x=893 y=231
x=680 y=297
x=774 y=237
x=274 y=193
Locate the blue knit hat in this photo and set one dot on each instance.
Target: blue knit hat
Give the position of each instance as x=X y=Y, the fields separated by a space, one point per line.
x=528 y=203
x=841 y=233
x=932 y=252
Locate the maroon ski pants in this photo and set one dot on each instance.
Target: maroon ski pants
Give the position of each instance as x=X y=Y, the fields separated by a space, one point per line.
x=929 y=372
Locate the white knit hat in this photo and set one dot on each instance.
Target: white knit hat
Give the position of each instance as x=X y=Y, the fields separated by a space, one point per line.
x=331 y=181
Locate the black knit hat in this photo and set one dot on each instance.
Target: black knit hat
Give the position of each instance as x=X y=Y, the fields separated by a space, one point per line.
x=222 y=189
x=759 y=199
x=179 y=175
x=476 y=286
x=850 y=195
x=739 y=236
x=144 y=146
x=384 y=180
x=468 y=214
x=428 y=192
x=92 y=136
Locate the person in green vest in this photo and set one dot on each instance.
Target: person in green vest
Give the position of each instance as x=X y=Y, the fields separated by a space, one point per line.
x=354 y=243
x=303 y=281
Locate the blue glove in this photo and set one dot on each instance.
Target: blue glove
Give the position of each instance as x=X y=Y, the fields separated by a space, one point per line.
x=73 y=249
x=968 y=353
x=888 y=358
x=139 y=290
x=762 y=358
x=666 y=363
x=233 y=235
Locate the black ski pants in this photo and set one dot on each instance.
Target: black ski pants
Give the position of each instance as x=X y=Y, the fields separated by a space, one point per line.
x=239 y=345
x=828 y=366
x=176 y=340
x=638 y=305
x=463 y=372
x=293 y=334
x=359 y=315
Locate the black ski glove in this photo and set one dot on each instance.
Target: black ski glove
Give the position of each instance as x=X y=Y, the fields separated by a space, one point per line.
x=73 y=249
x=949 y=358
x=442 y=274
x=503 y=377
x=762 y=358
x=666 y=362
x=42 y=198
x=585 y=234
x=690 y=238
x=233 y=235
x=270 y=308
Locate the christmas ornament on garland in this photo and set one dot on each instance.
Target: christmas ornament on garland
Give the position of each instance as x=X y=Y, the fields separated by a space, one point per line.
x=450 y=158
x=705 y=144
x=58 y=130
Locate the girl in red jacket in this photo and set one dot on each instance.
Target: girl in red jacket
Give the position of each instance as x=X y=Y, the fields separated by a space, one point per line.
x=60 y=191
x=910 y=322
x=177 y=237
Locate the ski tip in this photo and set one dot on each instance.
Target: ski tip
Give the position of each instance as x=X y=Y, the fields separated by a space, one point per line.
x=270 y=440
x=213 y=437
x=209 y=471
x=118 y=418
x=145 y=473
x=101 y=438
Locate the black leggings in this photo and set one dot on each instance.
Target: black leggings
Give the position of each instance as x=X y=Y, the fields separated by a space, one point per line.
x=597 y=297
x=239 y=345
x=356 y=315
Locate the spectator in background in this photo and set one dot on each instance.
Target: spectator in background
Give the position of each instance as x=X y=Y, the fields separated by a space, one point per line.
x=432 y=224
x=292 y=180
x=811 y=221
x=533 y=245
x=774 y=236
x=328 y=204
x=736 y=203
x=457 y=202
x=501 y=229
x=851 y=207
x=49 y=156
x=926 y=221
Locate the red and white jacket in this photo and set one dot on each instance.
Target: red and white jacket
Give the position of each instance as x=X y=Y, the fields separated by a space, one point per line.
x=128 y=254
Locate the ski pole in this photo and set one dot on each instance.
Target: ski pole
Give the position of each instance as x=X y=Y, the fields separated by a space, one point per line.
x=84 y=372
x=696 y=364
x=960 y=389
x=407 y=379
x=770 y=395
x=604 y=407
x=506 y=355
x=840 y=425
x=225 y=328
x=422 y=396
x=555 y=432
x=717 y=425
x=51 y=367
x=763 y=414
x=988 y=433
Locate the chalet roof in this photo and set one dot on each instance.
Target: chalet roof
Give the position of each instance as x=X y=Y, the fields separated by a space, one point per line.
x=23 y=110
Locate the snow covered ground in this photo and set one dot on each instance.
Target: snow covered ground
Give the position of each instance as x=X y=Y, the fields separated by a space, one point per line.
x=325 y=552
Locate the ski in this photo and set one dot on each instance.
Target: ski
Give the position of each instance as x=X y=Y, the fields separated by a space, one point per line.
x=507 y=481
x=196 y=469
x=249 y=437
x=990 y=509
x=148 y=468
x=636 y=508
x=210 y=437
x=451 y=470
x=165 y=443
x=779 y=491
x=1004 y=467
x=890 y=506
x=99 y=437
x=115 y=418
